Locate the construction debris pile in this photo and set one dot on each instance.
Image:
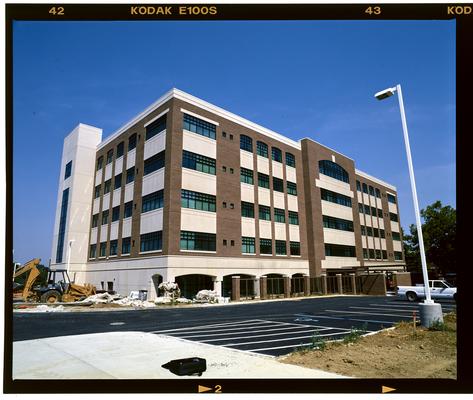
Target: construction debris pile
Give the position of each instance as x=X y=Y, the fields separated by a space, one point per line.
x=171 y=294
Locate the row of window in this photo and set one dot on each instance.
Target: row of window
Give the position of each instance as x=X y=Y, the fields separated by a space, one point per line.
x=246 y=176
x=366 y=209
x=380 y=254
x=248 y=246
x=246 y=143
x=368 y=189
x=334 y=197
x=338 y=250
x=333 y=170
x=151 y=130
x=337 y=223
x=264 y=212
x=152 y=241
x=374 y=232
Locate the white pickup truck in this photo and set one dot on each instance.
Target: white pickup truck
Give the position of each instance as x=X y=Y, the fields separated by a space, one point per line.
x=438 y=290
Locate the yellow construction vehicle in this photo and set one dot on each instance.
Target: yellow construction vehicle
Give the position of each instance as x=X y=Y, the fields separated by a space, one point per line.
x=33 y=274
x=58 y=286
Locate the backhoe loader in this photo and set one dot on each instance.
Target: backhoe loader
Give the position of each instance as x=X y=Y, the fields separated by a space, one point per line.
x=58 y=286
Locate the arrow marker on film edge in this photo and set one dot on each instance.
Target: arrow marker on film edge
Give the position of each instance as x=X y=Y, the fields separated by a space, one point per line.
x=206 y=389
x=387 y=389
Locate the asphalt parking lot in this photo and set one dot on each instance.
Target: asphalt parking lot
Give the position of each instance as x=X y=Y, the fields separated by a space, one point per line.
x=270 y=328
x=279 y=336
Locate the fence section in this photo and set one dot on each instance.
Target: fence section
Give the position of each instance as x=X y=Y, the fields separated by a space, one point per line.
x=275 y=288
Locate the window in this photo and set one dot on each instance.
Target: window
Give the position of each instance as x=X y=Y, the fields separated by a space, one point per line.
x=246 y=175
x=365 y=254
x=278 y=185
x=151 y=241
x=97 y=191
x=371 y=252
x=156 y=127
x=224 y=134
x=293 y=218
x=118 y=181
x=93 y=251
x=99 y=163
x=290 y=160
x=113 y=247
x=371 y=190
x=265 y=246
x=105 y=217
x=107 y=186
x=224 y=168
x=295 y=248
x=247 y=209
x=231 y=136
x=365 y=188
x=62 y=225
x=248 y=245
x=231 y=170
x=378 y=254
x=126 y=245
x=373 y=211
x=198 y=162
x=103 y=249
x=130 y=175
x=363 y=230
x=152 y=201
x=369 y=231
x=132 y=142
x=398 y=255
x=95 y=220
x=279 y=215
x=199 y=126
x=109 y=156
x=337 y=198
x=264 y=213
x=276 y=154
x=281 y=247
x=262 y=149
x=224 y=242
x=246 y=143
x=360 y=208
x=68 y=171
x=380 y=213
x=385 y=254
x=337 y=250
x=291 y=188
x=120 y=148
x=154 y=163
x=381 y=233
x=358 y=186
x=393 y=217
x=375 y=232
x=115 y=213
x=263 y=180
x=378 y=193
x=396 y=235
x=391 y=198
x=337 y=223
x=224 y=204
x=128 y=211
x=333 y=170
x=232 y=243
x=367 y=209
x=198 y=241
x=198 y=201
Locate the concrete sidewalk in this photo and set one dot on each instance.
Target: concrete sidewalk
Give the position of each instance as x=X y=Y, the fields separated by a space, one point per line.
x=138 y=355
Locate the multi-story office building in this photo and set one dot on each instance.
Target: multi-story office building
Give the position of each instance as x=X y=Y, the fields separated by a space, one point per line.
x=189 y=192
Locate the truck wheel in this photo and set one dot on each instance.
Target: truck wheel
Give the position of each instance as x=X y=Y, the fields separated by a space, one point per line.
x=51 y=296
x=411 y=296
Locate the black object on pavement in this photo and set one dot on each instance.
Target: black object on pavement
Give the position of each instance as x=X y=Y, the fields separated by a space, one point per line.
x=187 y=366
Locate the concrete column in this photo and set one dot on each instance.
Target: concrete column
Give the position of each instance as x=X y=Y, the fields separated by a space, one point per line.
x=353 y=283
x=287 y=286
x=263 y=287
x=256 y=284
x=306 y=285
x=235 y=288
x=324 y=283
x=339 y=283
x=218 y=286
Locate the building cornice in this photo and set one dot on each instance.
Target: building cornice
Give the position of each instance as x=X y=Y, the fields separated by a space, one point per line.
x=372 y=178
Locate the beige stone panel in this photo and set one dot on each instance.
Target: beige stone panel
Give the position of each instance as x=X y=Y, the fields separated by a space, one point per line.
x=116 y=197
x=198 y=221
x=336 y=236
x=291 y=174
x=118 y=165
x=114 y=230
x=126 y=229
x=199 y=144
x=395 y=227
x=247 y=193
x=337 y=210
x=264 y=197
x=397 y=245
x=155 y=145
x=334 y=185
x=98 y=177
x=262 y=165
x=106 y=202
x=340 y=262
x=246 y=160
x=199 y=181
x=292 y=204
x=108 y=172
x=265 y=229
x=130 y=158
x=294 y=235
x=95 y=208
x=279 y=231
x=392 y=208
x=153 y=182
x=129 y=192
x=248 y=227
x=93 y=236
x=151 y=221
x=278 y=199
x=277 y=169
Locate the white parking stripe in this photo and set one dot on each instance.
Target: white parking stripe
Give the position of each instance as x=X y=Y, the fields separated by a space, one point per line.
x=282 y=347
x=259 y=330
x=367 y=313
x=273 y=334
x=281 y=340
x=352 y=319
x=223 y=326
x=382 y=309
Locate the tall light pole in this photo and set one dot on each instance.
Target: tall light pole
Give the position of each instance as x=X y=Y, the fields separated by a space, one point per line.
x=69 y=255
x=429 y=310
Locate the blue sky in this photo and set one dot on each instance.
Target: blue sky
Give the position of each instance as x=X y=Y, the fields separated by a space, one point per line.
x=299 y=78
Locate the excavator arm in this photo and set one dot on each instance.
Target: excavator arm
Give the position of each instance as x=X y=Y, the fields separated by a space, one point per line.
x=33 y=273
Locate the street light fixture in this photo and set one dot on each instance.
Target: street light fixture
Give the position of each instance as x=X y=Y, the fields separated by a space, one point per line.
x=430 y=311
x=69 y=255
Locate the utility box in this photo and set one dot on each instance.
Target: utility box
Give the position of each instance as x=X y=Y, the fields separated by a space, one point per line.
x=187 y=366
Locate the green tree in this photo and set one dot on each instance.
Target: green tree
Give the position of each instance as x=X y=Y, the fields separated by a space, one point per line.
x=439 y=231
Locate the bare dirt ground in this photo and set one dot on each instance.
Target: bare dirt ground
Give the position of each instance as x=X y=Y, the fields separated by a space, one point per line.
x=402 y=352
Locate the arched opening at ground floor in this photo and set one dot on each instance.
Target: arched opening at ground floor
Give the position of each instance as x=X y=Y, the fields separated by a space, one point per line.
x=297 y=284
x=275 y=285
x=248 y=286
x=193 y=283
x=157 y=279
